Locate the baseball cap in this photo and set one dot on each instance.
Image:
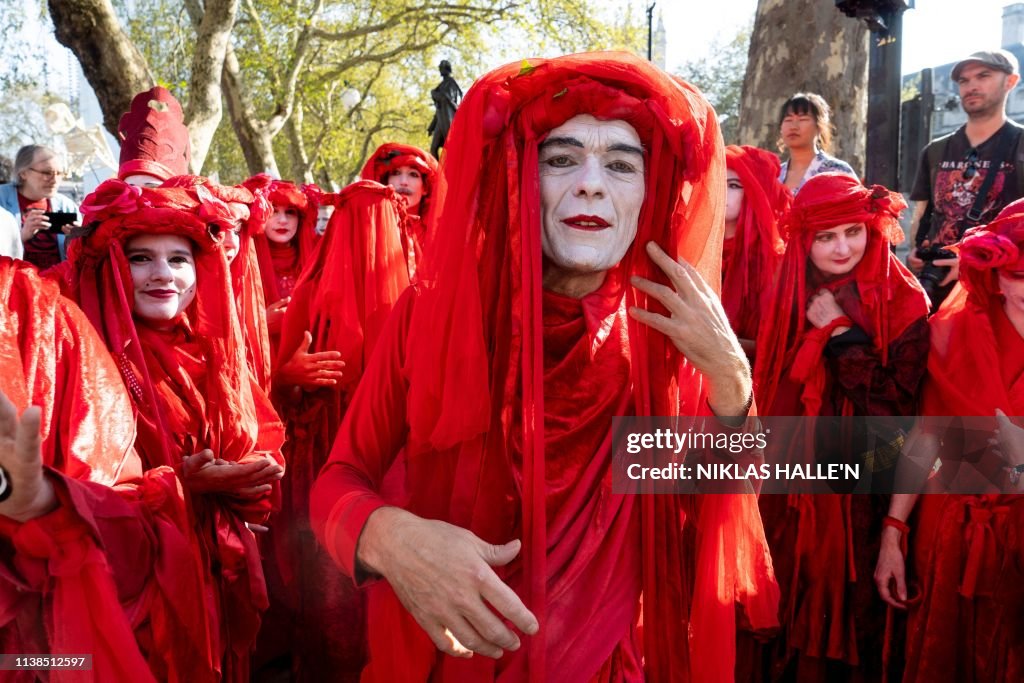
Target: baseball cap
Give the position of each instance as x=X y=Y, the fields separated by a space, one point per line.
x=997 y=59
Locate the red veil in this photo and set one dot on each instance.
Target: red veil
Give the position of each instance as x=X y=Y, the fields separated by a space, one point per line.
x=753 y=255
x=477 y=341
x=192 y=388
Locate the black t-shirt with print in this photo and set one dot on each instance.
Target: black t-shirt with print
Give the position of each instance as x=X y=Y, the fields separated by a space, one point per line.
x=953 y=195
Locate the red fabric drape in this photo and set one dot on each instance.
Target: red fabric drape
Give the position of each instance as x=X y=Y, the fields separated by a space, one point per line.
x=749 y=267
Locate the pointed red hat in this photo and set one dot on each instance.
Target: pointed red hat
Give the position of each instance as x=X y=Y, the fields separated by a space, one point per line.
x=154 y=139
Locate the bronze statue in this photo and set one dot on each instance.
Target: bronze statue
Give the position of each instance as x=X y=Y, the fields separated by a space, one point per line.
x=446 y=96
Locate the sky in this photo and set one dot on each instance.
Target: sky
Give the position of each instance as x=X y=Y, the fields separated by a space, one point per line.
x=934 y=32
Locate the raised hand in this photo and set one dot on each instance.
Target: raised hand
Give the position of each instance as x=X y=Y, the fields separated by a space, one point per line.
x=30 y=494
x=823 y=308
x=275 y=314
x=699 y=328
x=443 y=576
x=311 y=371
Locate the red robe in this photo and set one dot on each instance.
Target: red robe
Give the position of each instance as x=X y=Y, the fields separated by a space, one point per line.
x=825 y=545
x=344 y=297
x=112 y=571
x=966 y=615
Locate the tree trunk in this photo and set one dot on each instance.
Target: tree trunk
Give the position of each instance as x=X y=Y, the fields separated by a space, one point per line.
x=255 y=139
x=203 y=113
x=800 y=46
x=115 y=69
x=299 y=159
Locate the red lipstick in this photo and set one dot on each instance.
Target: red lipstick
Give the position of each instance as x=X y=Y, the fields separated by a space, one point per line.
x=582 y=222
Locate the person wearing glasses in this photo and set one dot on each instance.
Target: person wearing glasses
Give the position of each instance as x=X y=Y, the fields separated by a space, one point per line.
x=38 y=172
x=953 y=190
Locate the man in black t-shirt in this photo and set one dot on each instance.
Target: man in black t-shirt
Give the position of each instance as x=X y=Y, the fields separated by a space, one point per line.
x=953 y=168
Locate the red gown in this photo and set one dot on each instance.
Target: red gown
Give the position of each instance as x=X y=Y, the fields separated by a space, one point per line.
x=343 y=298
x=112 y=571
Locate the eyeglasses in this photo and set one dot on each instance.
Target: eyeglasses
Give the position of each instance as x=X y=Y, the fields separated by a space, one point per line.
x=972 y=164
x=49 y=174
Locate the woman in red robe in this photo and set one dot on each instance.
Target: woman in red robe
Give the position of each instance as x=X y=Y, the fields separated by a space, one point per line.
x=106 y=566
x=845 y=336
x=498 y=393
x=413 y=173
x=286 y=245
x=753 y=248
x=153 y=279
x=339 y=307
x=965 y=602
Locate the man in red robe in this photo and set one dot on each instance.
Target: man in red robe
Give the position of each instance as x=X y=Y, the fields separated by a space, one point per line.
x=579 y=191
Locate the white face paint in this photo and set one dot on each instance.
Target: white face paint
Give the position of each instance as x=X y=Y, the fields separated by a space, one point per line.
x=733 y=196
x=163 y=277
x=592 y=188
x=143 y=180
x=283 y=225
x=408 y=182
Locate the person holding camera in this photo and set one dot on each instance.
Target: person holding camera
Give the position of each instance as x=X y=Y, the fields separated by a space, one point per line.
x=965 y=178
x=45 y=216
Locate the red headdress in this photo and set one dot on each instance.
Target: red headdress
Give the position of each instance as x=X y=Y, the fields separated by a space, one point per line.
x=750 y=262
x=889 y=296
x=476 y=333
x=154 y=139
x=972 y=338
x=300 y=250
x=392 y=155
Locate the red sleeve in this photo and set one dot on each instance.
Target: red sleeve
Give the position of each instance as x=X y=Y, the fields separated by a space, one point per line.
x=373 y=432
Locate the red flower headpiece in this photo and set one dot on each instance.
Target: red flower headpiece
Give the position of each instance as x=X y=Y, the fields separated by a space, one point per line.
x=988 y=248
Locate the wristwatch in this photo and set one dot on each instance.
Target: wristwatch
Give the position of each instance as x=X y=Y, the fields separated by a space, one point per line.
x=1015 y=473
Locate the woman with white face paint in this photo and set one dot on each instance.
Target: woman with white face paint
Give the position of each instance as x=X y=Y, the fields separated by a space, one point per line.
x=845 y=335
x=571 y=283
x=153 y=280
x=753 y=248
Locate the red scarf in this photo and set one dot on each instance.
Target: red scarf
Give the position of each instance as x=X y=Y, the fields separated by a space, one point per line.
x=755 y=253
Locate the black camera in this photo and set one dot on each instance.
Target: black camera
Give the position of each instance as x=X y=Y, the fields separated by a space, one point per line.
x=931 y=275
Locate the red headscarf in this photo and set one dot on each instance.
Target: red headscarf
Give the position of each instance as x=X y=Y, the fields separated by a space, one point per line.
x=750 y=262
x=288 y=195
x=347 y=290
x=154 y=138
x=481 y=311
x=889 y=294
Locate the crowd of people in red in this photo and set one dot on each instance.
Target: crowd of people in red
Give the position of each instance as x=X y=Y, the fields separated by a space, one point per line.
x=235 y=447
